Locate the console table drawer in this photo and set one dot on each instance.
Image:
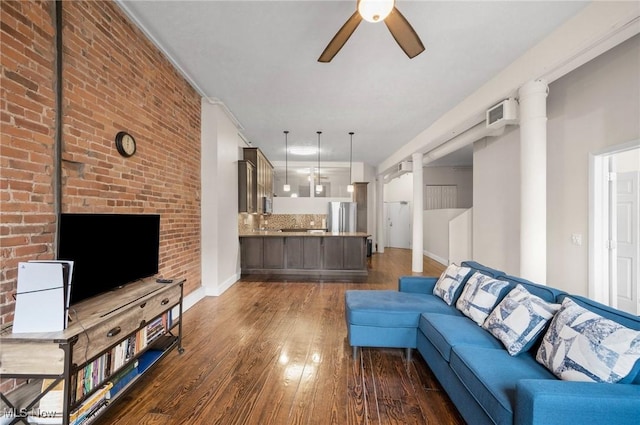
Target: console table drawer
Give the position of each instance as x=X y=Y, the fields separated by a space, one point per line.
x=161 y=302
x=97 y=339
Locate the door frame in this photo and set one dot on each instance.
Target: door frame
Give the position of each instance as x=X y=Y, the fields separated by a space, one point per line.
x=601 y=191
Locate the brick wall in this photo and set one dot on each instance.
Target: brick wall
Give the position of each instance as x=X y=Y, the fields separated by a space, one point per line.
x=114 y=79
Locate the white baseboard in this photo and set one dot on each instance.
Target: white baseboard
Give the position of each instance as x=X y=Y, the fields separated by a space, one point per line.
x=443 y=261
x=192 y=298
x=222 y=286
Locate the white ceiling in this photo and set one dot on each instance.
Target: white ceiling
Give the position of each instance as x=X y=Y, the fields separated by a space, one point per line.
x=260 y=59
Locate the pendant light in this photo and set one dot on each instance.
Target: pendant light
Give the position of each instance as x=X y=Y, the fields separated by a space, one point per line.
x=318 y=184
x=286 y=187
x=350 y=185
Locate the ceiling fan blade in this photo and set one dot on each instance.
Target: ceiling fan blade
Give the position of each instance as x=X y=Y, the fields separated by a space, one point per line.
x=340 y=38
x=404 y=33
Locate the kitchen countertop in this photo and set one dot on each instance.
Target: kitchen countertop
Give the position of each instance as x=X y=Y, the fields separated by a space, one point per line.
x=276 y=233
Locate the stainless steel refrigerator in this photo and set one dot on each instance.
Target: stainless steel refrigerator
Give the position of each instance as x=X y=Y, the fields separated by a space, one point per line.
x=342 y=217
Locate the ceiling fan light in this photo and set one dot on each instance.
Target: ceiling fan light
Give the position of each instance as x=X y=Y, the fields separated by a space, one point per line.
x=287 y=188
x=375 y=10
x=350 y=188
x=319 y=188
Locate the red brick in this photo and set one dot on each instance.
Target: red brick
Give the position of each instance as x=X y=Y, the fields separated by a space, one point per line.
x=122 y=83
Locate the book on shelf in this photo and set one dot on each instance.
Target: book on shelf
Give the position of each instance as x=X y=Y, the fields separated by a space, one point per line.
x=122 y=378
x=101 y=368
x=90 y=404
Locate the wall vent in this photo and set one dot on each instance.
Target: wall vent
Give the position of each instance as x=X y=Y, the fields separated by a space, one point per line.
x=504 y=113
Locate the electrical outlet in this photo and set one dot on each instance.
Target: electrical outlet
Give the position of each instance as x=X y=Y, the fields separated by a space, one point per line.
x=311 y=223
x=576 y=239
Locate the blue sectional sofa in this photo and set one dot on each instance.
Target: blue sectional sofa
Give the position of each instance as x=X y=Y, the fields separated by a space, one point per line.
x=485 y=382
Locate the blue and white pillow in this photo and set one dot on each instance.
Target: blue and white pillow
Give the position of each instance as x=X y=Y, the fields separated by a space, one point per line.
x=480 y=295
x=581 y=345
x=518 y=319
x=449 y=282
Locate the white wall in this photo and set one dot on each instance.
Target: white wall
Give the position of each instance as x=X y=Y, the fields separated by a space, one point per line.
x=283 y=205
x=435 y=232
x=596 y=106
x=593 y=107
x=399 y=189
x=496 y=201
x=219 y=203
x=461 y=237
x=462 y=177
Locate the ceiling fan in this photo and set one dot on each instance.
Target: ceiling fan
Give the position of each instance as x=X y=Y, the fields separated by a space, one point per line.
x=376 y=11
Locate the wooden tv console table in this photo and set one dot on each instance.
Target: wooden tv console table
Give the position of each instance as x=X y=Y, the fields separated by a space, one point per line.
x=107 y=336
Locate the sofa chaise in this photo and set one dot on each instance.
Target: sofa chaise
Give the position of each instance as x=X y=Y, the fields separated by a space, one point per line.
x=495 y=375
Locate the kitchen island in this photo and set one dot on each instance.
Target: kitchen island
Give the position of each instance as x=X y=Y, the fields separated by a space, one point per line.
x=312 y=253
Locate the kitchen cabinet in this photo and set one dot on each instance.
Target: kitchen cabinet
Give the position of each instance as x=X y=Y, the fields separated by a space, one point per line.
x=333 y=250
x=246 y=193
x=251 y=253
x=354 y=253
x=262 y=177
x=312 y=251
x=275 y=253
x=360 y=198
x=294 y=253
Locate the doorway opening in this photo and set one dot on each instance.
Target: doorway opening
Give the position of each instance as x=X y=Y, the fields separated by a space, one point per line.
x=614 y=227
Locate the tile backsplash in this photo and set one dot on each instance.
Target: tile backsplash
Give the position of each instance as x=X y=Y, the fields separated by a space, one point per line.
x=249 y=222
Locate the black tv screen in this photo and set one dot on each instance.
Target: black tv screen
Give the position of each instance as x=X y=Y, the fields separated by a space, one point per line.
x=108 y=250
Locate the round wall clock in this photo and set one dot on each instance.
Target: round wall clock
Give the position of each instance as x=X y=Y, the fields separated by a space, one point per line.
x=125 y=143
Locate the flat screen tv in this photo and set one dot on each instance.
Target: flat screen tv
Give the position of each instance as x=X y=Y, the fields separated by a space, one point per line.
x=108 y=250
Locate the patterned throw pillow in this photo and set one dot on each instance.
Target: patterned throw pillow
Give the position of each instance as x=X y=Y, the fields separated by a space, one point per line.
x=518 y=319
x=449 y=282
x=583 y=346
x=480 y=295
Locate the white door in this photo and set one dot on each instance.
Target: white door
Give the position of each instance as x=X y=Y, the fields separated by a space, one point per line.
x=627 y=245
x=398 y=224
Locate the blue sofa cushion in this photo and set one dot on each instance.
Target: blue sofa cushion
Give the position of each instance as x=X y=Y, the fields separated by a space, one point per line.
x=519 y=318
x=391 y=308
x=581 y=345
x=480 y=295
x=450 y=284
x=445 y=332
x=491 y=376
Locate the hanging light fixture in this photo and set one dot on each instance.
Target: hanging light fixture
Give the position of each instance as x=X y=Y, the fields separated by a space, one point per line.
x=286 y=187
x=318 y=184
x=350 y=185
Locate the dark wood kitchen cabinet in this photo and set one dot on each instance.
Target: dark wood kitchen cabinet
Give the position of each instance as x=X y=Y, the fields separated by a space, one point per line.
x=312 y=252
x=332 y=255
x=251 y=253
x=246 y=189
x=273 y=253
x=333 y=251
x=354 y=253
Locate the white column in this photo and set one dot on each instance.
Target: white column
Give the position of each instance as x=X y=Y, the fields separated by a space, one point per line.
x=417 y=254
x=533 y=180
x=380 y=223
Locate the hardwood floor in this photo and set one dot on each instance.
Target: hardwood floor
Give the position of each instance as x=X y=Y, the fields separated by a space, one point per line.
x=275 y=352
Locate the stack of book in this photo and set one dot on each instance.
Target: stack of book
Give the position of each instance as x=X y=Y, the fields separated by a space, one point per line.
x=89 y=409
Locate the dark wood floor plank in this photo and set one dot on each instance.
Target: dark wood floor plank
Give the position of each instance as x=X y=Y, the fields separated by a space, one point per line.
x=273 y=352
